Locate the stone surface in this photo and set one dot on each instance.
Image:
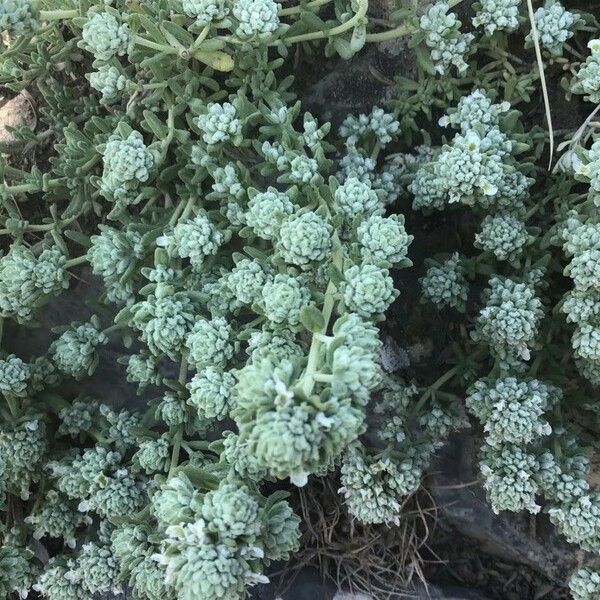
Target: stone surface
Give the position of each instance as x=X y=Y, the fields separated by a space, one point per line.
x=354 y=86
x=14 y=112
x=108 y=384
x=434 y=592
x=308 y=585
x=521 y=538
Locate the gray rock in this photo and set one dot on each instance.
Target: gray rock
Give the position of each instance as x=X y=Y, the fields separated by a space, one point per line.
x=354 y=86
x=307 y=584
x=433 y=592
x=108 y=383
x=521 y=538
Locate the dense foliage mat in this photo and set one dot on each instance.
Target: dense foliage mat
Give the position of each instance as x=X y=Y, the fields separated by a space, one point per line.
x=248 y=254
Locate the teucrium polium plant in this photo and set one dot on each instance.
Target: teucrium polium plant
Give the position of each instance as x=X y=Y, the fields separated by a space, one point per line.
x=244 y=255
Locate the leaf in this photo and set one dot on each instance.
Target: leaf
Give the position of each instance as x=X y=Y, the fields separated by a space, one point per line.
x=417 y=38
x=53 y=401
x=174 y=32
x=510 y=120
x=255 y=253
x=123 y=316
x=127 y=340
x=342 y=47
x=200 y=478
x=79 y=238
x=246 y=232
x=161 y=257
x=359 y=37
x=275 y=498
x=155 y=125
x=335 y=275
x=219 y=61
x=424 y=60
x=312 y=21
x=333 y=346
x=151 y=29
x=312 y=318
x=211 y=45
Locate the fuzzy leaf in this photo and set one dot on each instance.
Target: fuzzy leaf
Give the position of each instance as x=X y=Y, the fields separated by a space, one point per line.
x=312 y=318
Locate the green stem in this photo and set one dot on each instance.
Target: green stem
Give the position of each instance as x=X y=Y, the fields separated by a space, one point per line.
x=323 y=377
x=24 y=188
x=58 y=15
x=30 y=228
x=176 y=449
x=40 y=498
x=308 y=377
x=11 y=405
x=47 y=226
x=180 y=209
x=390 y=34
x=326 y=339
x=260 y=319
x=74 y=262
x=140 y=41
x=401 y=30
x=435 y=386
x=201 y=37
x=294 y=10
x=183 y=371
x=319 y=35
x=40 y=228
x=166 y=142
x=574 y=52
x=535 y=365
x=531 y=212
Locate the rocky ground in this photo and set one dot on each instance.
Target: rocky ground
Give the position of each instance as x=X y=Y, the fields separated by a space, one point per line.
x=473 y=554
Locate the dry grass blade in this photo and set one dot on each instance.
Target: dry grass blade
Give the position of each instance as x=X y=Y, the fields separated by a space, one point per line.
x=540 y=62
x=381 y=562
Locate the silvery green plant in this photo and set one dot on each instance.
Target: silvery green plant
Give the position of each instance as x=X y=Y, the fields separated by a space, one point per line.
x=585 y=584
x=377 y=478
x=448 y=45
x=587 y=78
x=478 y=168
x=445 y=285
x=555 y=25
x=530 y=458
x=581 y=239
x=266 y=292
x=494 y=15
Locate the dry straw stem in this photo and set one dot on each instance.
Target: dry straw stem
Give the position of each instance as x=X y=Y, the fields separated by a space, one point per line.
x=540 y=62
